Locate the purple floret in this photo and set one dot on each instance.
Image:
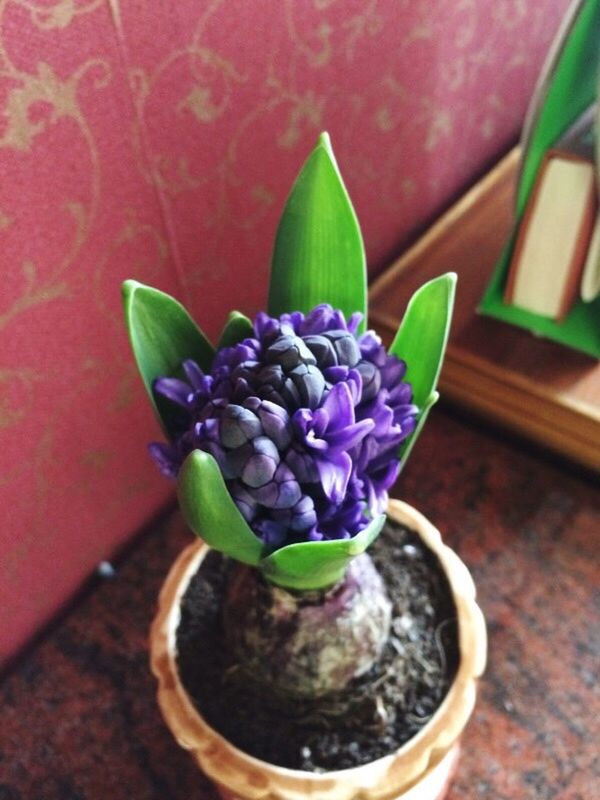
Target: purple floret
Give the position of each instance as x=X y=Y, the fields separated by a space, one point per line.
x=304 y=419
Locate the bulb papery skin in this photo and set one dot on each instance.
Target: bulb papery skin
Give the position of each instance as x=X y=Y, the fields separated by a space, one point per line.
x=310 y=644
x=304 y=419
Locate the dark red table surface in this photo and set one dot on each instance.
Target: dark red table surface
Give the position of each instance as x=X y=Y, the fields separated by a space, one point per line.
x=79 y=719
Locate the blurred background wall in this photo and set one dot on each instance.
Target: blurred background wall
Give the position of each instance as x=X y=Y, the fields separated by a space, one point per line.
x=158 y=140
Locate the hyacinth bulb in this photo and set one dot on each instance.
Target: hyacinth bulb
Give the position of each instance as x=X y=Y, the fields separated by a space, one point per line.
x=304 y=419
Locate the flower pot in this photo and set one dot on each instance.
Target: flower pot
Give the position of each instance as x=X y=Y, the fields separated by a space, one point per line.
x=419 y=770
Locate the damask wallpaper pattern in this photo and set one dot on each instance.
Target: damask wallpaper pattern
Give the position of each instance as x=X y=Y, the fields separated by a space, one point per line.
x=158 y=140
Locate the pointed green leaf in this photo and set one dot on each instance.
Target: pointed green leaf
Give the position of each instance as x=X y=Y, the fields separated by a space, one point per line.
x=421 y=342
x=423 y=334
x=319 y=256
x=210 y=511
x=162 y=335
x=317 y=565
x=237 y=328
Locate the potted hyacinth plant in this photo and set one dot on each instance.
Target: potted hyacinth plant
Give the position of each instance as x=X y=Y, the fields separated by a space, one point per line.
x=298 y=652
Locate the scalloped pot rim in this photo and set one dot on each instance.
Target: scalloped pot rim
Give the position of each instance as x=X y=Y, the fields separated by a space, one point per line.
x=381 y=779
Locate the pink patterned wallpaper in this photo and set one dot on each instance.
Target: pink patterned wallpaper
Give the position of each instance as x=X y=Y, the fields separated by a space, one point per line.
x=158 y=140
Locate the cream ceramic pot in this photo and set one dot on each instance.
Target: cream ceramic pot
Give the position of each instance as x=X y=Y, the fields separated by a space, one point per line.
x=420 y=770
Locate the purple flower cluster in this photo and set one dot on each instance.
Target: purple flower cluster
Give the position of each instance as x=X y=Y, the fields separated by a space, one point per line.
x=304 y=420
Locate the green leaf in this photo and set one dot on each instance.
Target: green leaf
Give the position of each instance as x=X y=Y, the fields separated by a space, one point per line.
x=210 y=511
x=317 y=565
x=421 y=342
x=162 y=335
x=237 y=328
x=319 y=256
x=423 y=333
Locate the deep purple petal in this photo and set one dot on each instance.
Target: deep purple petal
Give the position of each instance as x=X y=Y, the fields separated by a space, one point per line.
x=317 y=320
x=393 y=371
x=408 y=424
x=336 y=374
x=338 y=405
x=380 y=413
x=174 y=389
x=346 y=438
x=303 y=465
x=302 y=421
x=320 y=421
x=197 y=379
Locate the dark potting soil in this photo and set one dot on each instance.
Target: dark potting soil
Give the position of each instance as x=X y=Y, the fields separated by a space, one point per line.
x=376 y=714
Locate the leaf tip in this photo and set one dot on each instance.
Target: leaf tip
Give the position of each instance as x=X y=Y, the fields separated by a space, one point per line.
x=128 y=288
x=324 y=145
x=196 y=460
x=325 y=140
x=451 y=278
x=432 y=399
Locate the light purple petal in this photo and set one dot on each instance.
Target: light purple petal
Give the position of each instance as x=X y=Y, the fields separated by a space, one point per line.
x=354 y=321
x=334 y=474
x=166 y=457
x=346 y=438
x=320 y=421
x=313 y=442
x=355 y=384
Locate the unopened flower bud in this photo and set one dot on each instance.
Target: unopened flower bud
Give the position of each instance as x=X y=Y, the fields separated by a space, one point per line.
x=261 y=465
x=310 y=383
x=345 y=346
x=289 y=351
x=238 y=425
